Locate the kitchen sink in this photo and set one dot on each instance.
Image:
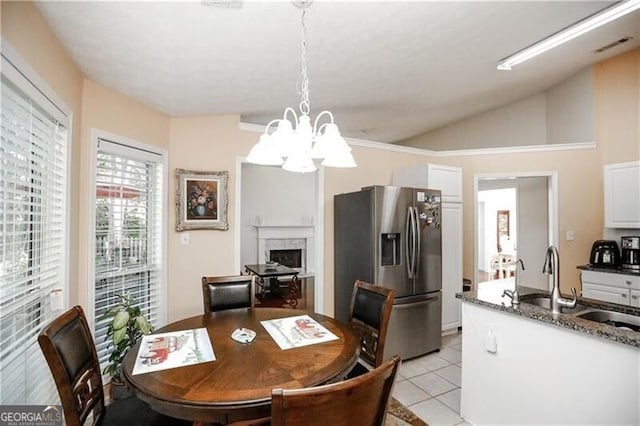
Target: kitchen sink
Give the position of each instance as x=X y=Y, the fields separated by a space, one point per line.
x=545 y=302
x=616 y=319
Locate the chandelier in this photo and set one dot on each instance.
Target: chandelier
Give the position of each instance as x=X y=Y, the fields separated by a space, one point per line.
x=295 y=150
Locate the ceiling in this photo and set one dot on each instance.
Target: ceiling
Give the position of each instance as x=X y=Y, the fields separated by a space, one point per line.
x=387 y=70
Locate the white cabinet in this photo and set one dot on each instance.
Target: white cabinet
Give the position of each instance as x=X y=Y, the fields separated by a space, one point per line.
x=451 y=264
x=604 y=293
x=615 y=288
x=449 y=181
x=578 y=378
x=432 y=176
x=622 y=195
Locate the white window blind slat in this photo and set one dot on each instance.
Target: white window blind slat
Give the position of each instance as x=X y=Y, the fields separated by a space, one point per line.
x=33 y=192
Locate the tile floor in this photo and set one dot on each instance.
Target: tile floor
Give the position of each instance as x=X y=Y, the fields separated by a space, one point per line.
x=430 y=385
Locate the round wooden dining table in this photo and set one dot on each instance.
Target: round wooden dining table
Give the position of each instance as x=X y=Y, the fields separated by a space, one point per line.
x=237 y=385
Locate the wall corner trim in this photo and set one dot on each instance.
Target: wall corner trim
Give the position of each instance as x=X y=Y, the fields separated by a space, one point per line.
x=259 y=128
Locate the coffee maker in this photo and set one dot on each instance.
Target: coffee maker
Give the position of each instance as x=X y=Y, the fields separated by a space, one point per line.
x=630 y=252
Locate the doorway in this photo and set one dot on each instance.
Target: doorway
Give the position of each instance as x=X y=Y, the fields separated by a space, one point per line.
x=497 y=230
x=515 y=219
x=279 y=211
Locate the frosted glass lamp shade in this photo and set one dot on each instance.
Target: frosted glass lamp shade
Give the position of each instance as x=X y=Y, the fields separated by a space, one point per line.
x=265 y=153
x=340 y=159
x=299 y=163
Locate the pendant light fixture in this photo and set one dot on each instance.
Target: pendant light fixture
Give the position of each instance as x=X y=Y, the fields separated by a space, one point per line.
x=295 y=149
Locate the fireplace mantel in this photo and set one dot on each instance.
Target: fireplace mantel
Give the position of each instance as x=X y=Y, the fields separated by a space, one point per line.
x=280 y=231
x=272 y=237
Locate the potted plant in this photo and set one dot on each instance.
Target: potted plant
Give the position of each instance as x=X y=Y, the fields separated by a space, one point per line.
x=126 y=327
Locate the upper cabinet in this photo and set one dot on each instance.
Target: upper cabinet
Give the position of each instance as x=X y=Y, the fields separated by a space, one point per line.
x=622 y=195
x=434 y=176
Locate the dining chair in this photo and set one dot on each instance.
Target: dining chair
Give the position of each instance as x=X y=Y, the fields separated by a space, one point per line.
x=369 y=317
x=229 y=292
x=361 y=401
x=68 y=348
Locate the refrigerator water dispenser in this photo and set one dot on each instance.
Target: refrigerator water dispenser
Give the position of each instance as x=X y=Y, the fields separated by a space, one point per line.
x=390 y=248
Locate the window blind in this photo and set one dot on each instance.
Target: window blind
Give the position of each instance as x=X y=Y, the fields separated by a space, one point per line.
x=128 y=234
x=33 y=176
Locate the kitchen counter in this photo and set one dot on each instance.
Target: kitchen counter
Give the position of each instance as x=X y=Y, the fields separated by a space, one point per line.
x=616 y=270
x=491 y=297
x=517 y=359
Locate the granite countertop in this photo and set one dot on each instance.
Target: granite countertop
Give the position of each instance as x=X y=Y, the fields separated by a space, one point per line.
x=491 y=297
x=609 y=270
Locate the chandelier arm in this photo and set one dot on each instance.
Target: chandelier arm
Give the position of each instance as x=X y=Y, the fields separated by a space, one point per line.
x=292 y=111
x=315 y=124
x=266 y=128
x=319 y=132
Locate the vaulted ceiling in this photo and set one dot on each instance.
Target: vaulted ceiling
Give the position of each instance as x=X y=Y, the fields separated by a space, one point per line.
x=387 y=70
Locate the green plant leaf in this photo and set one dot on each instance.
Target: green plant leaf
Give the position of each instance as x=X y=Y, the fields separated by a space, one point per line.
x=119 y=335
x=121 y=319
x=143 y=324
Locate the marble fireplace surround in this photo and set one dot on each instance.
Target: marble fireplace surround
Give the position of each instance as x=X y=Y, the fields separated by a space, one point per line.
x=272 y=237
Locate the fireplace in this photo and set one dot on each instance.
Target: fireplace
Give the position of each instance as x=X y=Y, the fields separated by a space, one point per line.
x=291 y=246
x=287 y=257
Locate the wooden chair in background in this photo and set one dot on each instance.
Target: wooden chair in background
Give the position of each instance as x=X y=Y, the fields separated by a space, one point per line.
x=220 y=293
x=370 y=312
x=361 y=401
x=68 y=348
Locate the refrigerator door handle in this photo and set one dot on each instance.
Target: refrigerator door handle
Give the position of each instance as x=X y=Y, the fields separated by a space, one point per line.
x=416 y=233
x=414 y=304
x=408 y=253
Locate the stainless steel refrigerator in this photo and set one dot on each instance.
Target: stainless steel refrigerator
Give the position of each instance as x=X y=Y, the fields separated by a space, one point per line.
x=391 y=236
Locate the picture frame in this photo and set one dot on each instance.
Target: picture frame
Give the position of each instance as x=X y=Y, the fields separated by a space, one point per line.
x=502 y=226
x=201 y=200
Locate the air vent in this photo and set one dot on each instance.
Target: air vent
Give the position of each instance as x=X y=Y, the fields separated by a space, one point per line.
x=237 y=4
x=614 y=44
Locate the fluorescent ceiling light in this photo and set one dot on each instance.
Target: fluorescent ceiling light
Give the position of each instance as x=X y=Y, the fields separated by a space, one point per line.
x=569 y=33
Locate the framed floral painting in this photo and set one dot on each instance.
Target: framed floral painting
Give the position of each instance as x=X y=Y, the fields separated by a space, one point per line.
x=201 y=200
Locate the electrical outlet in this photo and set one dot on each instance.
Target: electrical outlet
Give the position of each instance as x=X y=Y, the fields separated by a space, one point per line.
x=570 y=235
x=184 y=239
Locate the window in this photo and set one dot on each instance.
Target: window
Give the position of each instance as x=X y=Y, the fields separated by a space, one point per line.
x=128 y=233
x=33 y=199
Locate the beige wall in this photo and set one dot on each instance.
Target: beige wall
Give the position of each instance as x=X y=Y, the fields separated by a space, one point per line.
x=214 y=143
x=209 y=143
x=108 y=111
x=579 y=207
x=23 y=27
x=617 y=107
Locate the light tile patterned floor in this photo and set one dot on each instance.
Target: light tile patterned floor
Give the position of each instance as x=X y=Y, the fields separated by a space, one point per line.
x=430 y=385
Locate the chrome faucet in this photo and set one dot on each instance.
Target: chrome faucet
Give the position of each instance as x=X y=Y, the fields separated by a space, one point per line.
x=552 y=267
x=515 y=295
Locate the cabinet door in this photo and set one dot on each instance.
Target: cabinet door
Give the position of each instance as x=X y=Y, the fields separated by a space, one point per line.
x=635 y=298
x=448 y=180
x=451 y=264
x=622 y=195
x=607 y=294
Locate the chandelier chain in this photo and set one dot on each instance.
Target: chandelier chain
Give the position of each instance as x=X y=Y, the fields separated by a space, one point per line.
x=305 y=107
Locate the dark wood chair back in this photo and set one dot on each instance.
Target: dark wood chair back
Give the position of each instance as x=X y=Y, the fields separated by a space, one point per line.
x=361 y=401
x=370 y=312
x=220 y=293
x=68 y=348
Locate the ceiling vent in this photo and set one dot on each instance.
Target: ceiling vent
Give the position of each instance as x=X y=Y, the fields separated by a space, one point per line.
x=612 y=45
x=237 y=4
